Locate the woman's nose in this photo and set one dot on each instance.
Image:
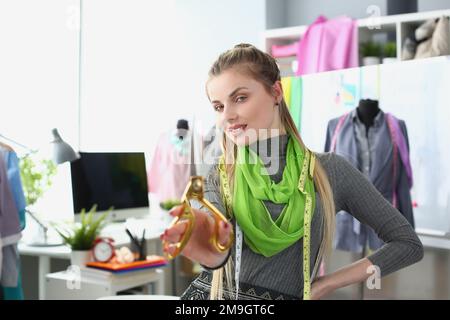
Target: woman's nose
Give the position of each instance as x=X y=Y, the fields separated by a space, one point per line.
x=229 y=114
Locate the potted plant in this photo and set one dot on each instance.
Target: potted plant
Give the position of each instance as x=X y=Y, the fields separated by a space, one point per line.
x=81 y=236
x=390 y=52
x=36 y=176
x=370 y=53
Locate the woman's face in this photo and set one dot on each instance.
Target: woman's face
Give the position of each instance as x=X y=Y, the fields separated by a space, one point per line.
x=245 y=110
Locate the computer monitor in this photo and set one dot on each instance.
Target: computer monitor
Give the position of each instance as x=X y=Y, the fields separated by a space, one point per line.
x=111 y=179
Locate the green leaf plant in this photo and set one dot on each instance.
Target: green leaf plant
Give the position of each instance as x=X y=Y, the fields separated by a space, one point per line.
x=81 y=236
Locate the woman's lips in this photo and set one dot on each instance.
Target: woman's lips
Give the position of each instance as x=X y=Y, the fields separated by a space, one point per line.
x=237 y=129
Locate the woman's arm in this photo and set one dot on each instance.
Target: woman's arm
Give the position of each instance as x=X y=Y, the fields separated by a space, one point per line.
x=356 y=272
x=356 y=195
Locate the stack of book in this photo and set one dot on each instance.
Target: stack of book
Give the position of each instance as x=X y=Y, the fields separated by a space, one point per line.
x=118 y=268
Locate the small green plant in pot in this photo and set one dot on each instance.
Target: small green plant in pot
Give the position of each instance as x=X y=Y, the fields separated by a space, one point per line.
x=80 y=237
x=370 y=53
x=389 y=52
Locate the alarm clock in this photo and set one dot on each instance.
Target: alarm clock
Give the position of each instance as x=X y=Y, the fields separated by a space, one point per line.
x=103 y=249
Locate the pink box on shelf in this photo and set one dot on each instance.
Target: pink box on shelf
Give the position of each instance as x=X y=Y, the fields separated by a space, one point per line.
x=285 y=50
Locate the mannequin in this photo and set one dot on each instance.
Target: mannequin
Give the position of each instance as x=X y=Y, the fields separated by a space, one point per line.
x=367 y=110
x=369 y=151
x=182 y=128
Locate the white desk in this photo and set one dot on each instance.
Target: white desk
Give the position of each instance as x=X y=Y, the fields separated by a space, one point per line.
x=61 y=285
x=115 y=231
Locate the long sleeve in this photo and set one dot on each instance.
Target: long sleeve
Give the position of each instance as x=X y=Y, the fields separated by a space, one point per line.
x=356 y=195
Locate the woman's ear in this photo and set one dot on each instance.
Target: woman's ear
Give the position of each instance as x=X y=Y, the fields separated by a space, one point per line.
x=277 y=90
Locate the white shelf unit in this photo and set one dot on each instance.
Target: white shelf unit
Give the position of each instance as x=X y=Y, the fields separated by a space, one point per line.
x=385 y=28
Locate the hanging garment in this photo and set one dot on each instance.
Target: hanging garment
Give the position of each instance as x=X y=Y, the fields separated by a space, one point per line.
x=293 y=96
x=169 y=170
x=10 y=233
x=328 y=45
x=10 y=273
x=389 y=171
x=15 y=183
x=9 y=217
x=15 y=292
x=12 y=286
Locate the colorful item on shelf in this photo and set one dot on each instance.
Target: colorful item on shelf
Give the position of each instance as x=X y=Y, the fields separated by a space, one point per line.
x=328 y=45
x=292 y=92
x=279 y=51
x=286 y=85
x=296 y=100
x=430 y=39
x=152 y=261
x=124 y=255
x=438 y=43
x=103 y=249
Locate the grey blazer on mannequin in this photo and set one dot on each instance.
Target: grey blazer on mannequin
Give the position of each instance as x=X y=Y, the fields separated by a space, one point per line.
x=350 y=234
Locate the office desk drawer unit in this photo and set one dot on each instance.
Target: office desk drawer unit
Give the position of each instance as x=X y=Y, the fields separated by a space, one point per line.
x=73 y=285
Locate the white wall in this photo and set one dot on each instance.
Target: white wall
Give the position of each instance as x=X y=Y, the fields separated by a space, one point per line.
x=38 y=77
x=275 y=14
x=300 y=12
x=208 y=29
x=145 y=64
x=429 y=5
x=39 y=84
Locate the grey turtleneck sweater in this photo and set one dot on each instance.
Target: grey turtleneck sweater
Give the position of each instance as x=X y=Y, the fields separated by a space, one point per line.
x=353 y=193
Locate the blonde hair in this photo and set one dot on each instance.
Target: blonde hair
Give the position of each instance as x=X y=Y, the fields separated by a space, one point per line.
x=263 y=68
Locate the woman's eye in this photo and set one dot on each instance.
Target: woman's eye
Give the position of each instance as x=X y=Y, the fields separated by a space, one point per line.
x=218 y=107
x=241 y=98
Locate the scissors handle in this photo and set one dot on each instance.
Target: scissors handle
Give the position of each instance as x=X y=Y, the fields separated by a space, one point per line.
x=194 y=191
x=218 y=216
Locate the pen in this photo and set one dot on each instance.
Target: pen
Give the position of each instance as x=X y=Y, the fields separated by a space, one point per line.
x=133 y=239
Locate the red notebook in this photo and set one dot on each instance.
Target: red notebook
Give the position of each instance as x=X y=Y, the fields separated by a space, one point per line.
x=151 y=262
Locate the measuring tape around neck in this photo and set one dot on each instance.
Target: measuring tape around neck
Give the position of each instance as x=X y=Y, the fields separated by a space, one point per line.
x=307 y=169
x=308 y=163
x=238 y=232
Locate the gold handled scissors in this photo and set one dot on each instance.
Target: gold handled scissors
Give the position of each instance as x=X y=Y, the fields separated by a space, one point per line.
x=194 y=191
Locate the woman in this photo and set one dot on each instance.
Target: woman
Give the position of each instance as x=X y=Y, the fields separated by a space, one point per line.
x=271 y=196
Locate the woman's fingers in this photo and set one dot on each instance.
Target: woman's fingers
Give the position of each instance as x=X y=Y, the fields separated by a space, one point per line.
x=176 y=232
x=176 y=211
x=170 y=249
x=224 y=232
